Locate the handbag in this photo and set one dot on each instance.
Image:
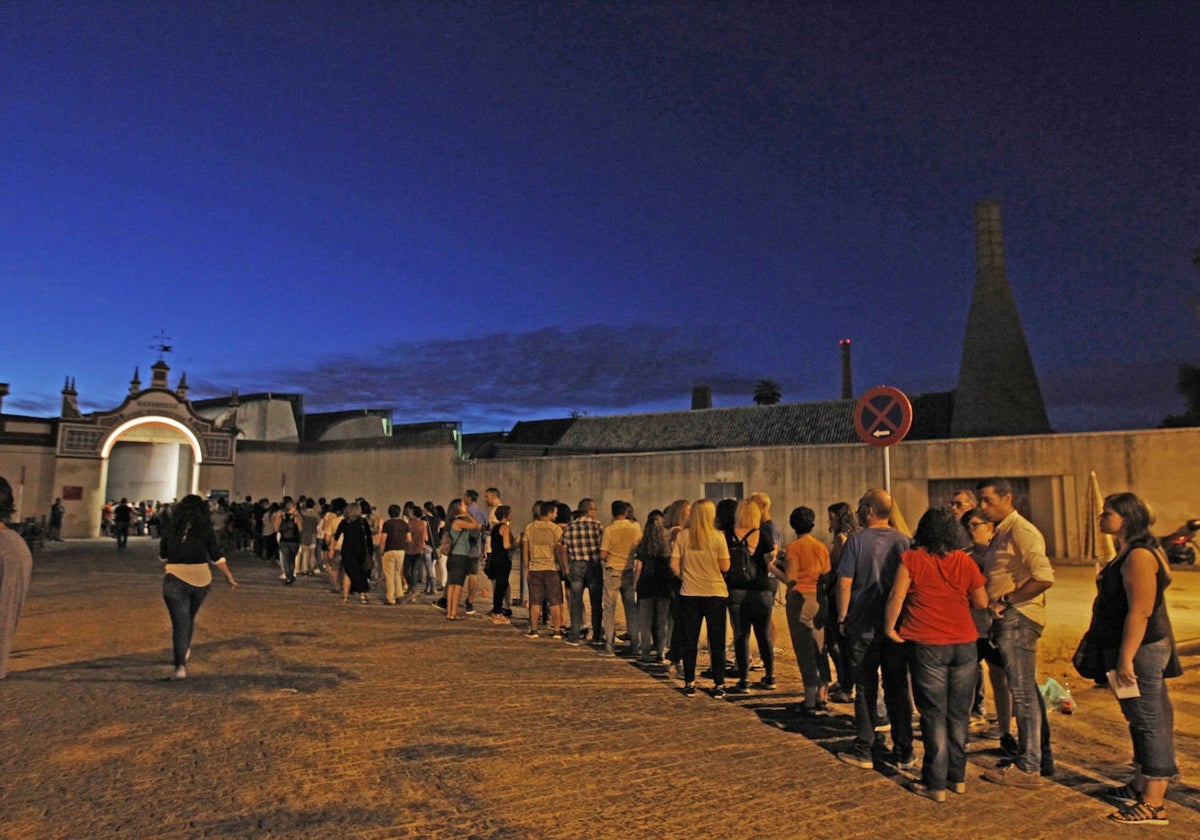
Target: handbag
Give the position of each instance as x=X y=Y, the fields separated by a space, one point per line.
x=1088 y=659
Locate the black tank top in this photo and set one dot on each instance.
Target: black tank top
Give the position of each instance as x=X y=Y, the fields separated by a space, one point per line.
x=1112 y=605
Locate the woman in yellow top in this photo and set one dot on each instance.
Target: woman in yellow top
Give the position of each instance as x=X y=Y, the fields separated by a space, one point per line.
x=699 y=558
x=806 y=569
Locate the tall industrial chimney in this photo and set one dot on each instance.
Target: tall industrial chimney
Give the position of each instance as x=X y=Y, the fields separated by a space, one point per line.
x=701 y=397
x=847 y=376
x=998 y=391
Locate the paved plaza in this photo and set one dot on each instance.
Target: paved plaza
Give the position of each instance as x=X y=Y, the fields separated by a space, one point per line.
x=305 y=718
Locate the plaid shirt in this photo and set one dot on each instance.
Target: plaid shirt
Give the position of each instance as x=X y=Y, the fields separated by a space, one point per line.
x=582 y=539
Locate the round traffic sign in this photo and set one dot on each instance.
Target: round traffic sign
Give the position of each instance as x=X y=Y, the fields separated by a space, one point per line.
x=883 y=416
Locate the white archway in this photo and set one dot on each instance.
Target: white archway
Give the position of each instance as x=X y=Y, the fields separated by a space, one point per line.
x=158 y=420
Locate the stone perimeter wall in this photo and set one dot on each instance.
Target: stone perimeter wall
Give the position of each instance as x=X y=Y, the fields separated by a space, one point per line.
x=1162 y=466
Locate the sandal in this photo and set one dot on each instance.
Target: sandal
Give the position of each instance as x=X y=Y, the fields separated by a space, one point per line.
x=1140 y=812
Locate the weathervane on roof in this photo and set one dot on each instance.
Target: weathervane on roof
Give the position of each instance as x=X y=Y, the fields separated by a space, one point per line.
x=161 y=344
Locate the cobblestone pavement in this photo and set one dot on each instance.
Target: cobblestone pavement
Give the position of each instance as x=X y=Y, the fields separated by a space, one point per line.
x=304 y=718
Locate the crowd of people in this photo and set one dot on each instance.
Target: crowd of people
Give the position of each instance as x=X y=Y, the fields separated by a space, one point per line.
x=876 y=618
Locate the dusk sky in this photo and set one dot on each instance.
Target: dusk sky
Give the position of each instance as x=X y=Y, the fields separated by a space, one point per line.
x=490 y=212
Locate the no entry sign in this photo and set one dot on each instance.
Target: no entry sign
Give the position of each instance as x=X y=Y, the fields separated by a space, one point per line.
x=883 y=416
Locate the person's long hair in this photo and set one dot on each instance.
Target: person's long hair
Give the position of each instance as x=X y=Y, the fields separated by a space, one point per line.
x=844 y=519
x=700 y=524
x=190 y=518
x=655 y=542
x=676 y=514
x=1136 y=519
x=749 y=515
x=726 y=516
x=938 y=532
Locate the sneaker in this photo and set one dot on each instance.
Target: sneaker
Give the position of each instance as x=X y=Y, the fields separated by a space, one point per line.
x=1013 y=775
x=1140 y=812
x=855 y=759
x=572 y=641
x=180 y=673
x=606 y=652
x=1008 y=746
x=905 y=762
x=689 y=690
x=718 y=691
x=741 y=687
x=957 y=787
x=556 y=635
x=531 y=633
x=471 y=609
x=767 y=684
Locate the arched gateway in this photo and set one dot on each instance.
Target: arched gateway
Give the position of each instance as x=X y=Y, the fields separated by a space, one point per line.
x=153 y=446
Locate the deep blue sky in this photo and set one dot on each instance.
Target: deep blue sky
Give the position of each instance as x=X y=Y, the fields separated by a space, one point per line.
x=502 y=211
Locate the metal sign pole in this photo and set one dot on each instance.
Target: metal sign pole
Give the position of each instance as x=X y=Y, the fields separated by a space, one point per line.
x=887 y=469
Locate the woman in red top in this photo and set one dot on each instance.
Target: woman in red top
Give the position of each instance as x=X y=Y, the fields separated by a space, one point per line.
x=936 y=585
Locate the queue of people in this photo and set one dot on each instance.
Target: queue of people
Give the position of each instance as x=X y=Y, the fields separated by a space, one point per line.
x=918 y=617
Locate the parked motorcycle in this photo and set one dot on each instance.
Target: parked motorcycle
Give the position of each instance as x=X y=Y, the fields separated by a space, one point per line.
x=1179 y=545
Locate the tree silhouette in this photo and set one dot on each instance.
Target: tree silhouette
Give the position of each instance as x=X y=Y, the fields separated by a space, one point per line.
x=1188 y=385
x=766 y=392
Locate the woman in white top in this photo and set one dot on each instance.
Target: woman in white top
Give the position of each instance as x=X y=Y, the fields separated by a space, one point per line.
x=700 y=557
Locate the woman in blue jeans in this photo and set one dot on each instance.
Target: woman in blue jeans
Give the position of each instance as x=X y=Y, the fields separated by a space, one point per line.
x=935 y=587
x=1131 y=626
x=188 y=547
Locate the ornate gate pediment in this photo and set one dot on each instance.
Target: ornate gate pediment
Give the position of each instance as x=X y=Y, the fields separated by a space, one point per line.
x=90 y=436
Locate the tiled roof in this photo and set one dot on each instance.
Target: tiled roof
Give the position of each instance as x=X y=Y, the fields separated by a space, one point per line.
x=793 y=424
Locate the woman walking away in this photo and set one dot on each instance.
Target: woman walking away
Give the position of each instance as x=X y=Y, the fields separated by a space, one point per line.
x=806 y=570
x=1131 y=626
x=936 y=586
x=16 y=567
x=188 y=547
x=700 y=558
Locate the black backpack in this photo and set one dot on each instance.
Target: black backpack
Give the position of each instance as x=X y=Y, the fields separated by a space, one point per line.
x=743 y=571
x=289 y=529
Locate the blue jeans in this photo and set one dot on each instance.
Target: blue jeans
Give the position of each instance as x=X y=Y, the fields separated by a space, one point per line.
x=1151 y=717
x=183 y=602
x=873 y=660
x=1016 y=637
x=654 y=617
x=589 y=576
x=944 y=685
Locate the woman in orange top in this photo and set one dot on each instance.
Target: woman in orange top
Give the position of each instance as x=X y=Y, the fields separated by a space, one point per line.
x=805 y=570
